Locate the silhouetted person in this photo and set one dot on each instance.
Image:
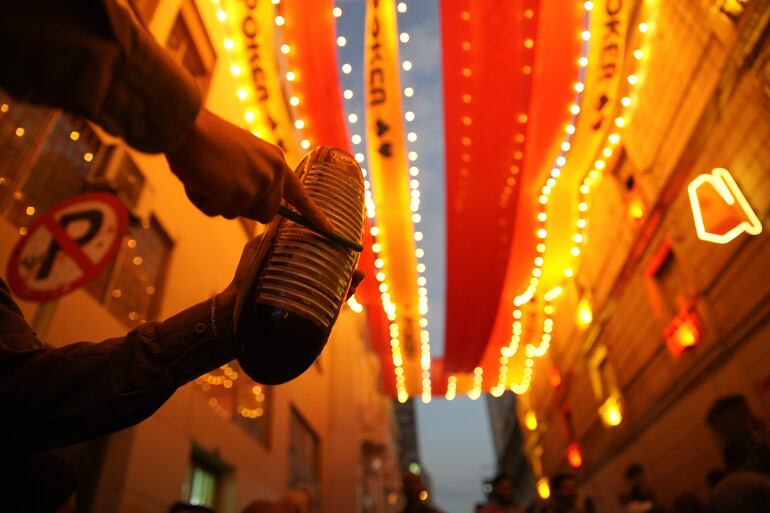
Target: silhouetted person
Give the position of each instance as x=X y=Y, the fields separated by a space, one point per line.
x=714 y=476
x=638 y=484
x=743 y=489
x=742 y=492
x=296 y=500
x=688 y=503
x=415 y=495
x=38 y=483
x=564 y=495
x=502 y=498
x=93 y=59
x=262 y=506
x=184 y=507
x=738 y=429
x=639 y=498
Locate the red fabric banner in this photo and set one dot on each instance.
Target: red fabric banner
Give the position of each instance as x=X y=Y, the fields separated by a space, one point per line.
x=488 y=58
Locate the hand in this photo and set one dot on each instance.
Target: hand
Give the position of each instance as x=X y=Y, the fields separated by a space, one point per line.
x=228 y=171
x=358 y=277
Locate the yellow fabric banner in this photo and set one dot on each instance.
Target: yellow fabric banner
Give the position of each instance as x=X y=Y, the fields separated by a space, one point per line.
x=389 y=172
x=599 y=107
x=254 y=37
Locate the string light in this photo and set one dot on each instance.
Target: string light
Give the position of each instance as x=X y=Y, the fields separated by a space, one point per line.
x=611 y=411
x=545 y=336
x=451 y=388
x=530 y=420
x=543 y=487
x=542 y=218
x=355 y=305
x=607 y=149
x=478 y=381
x=584 y=315
x=423 y=306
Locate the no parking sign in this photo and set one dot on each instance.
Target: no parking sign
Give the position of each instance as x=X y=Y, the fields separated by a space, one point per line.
x=67 y=246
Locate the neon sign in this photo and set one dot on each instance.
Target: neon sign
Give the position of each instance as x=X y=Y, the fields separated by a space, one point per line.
x=719 y=209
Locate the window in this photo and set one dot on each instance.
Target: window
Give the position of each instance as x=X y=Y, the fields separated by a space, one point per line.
x=120 y=175
x=671 y=282
x=202 y=486
x=144 y=9
x=205 y=479
x=191 y=46
x=733 y=9
x=129 y=286
x=667 y=285
x=20 y=127
x=605 y=388
x=371 y=472
x=632 y=192
x=304 y=457
x=46 y=158
x=603 y=381
x=233 y=395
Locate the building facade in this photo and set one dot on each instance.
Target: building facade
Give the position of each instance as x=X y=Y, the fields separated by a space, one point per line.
x=408 y=446
x=508 y=445
x=670 y=321
x=223 y=440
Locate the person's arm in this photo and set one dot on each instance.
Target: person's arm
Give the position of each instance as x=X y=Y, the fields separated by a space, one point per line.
x=92 y=58
x=58 y=396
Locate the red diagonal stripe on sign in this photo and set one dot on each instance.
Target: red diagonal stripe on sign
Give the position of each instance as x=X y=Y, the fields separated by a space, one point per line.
x=69 y=246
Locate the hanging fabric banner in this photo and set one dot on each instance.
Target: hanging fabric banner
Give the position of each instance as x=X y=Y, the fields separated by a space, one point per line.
x=489 y=65
x=389 y=172
x=555 y=71
x=600 y=105
x=254 y=37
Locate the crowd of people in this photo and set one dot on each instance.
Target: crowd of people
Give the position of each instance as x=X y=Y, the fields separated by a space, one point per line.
x=742 y=485
x=296 y=500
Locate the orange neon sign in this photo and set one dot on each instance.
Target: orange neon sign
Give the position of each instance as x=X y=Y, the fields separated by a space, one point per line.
x=719 y=208
x=574 y=455
x=683 y=332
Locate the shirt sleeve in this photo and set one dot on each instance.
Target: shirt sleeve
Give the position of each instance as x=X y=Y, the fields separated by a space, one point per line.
x=92 y=58
x=58 y=396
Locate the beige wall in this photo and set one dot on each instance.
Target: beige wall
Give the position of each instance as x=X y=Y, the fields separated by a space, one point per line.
x=333 y=401
x=702 y=106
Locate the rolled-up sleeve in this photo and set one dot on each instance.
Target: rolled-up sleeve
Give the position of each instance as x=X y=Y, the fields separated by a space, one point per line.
x=59 y=396
x=93 y=59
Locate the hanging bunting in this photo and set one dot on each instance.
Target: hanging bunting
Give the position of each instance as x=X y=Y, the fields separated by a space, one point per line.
x=552 y=117
x=389 y=172
x=600 y=104
x=253 y=35
x=309 y=32
x=489 y=61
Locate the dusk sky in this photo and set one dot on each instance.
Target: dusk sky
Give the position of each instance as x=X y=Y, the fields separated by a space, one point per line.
x=454 y=437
